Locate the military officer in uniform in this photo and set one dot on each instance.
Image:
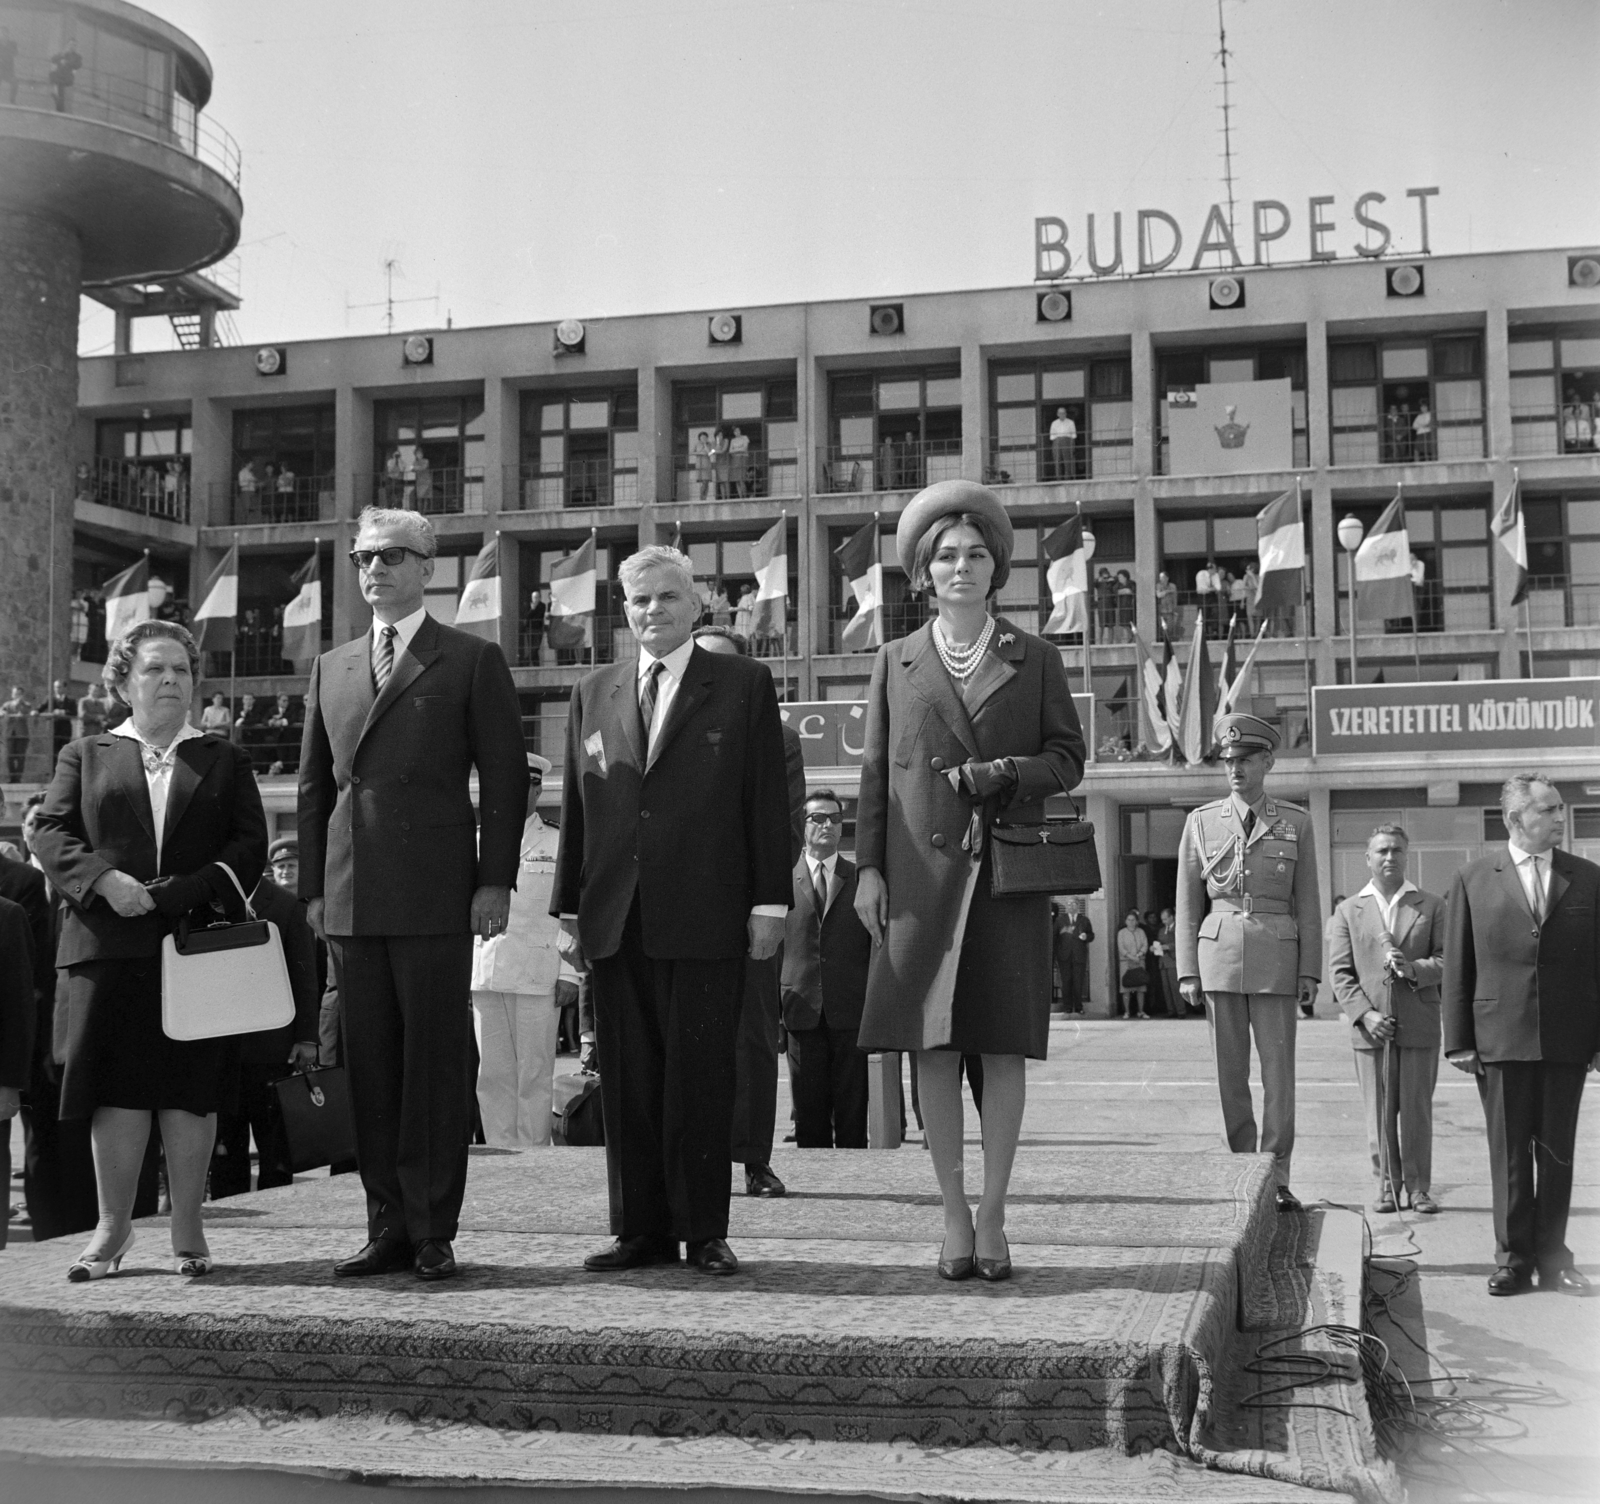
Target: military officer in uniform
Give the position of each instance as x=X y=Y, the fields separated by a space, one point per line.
x=1249 y=937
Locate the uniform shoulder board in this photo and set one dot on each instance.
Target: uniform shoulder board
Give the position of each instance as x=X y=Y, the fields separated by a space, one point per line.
x=1212 y=804
x=1283 y=804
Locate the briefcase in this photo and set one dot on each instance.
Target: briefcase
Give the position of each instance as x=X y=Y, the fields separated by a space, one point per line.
x=317 y=1124
x=575 y=1111
x=1050 y=856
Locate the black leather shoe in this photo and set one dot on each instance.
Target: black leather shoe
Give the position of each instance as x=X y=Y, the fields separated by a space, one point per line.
x=1288 y=1201
x=1567 y=1281
x=632 y=1253
x=380 y=1256
x=435 y=1259
x=1507 y=1281
x=713 y=1257
x=760 y=1181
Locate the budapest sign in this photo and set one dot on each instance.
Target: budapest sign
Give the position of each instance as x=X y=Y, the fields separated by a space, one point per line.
x=1475 y=716
x=1158 y=239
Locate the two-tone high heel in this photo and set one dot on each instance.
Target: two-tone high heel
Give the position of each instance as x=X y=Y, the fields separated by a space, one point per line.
x=192 y=1264
x=83 y=1269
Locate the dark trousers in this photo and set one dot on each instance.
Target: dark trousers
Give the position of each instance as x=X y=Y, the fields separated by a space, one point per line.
x=828 y=1079
x=666 y=1032
x=413 y=1071
x=755 y=1097
x=58 y=1169
x=1072 y=966
x=1530 y=1108
x=255 y=1112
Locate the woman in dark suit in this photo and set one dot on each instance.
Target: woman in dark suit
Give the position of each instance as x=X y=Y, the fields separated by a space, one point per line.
x=968 y=717
x=134 y=832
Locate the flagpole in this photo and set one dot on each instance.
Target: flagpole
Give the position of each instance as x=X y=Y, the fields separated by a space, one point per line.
x=1527 y=614
x=783 y=519
x=1088 y=610
x=594 y=600
x=1305 y=597
x=233 y=648
x=50 y=629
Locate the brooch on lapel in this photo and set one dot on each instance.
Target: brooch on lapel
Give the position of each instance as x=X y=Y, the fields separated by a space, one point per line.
x=1006 y=638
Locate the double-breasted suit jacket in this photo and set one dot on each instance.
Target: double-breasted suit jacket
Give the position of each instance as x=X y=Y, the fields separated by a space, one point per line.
x=825 y=964
x=388 y=839
x=700 y=832
x=1357 y=945
x=947 y=935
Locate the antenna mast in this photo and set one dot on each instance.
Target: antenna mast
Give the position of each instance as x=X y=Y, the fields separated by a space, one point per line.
x=1227 y=115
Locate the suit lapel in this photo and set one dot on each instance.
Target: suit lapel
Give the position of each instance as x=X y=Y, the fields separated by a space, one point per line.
x=190 y=764
x=1558 y=885
x=998 y=670
x=692 y=693
x=1405 y=915
x=932 y=682
x=622 y=709
x=1507 y=869
x=353 y=695
x=130 y=771
x=422 y=652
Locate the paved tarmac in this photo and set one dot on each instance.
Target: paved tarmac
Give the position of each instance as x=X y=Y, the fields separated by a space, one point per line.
x=1527 y=1427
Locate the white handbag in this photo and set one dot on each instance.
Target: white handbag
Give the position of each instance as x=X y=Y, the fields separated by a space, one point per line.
x=224 y=979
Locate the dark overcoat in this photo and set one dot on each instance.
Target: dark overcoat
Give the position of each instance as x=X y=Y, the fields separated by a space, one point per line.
x=951 y=947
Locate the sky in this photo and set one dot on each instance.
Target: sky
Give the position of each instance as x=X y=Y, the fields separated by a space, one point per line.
x=542 y=159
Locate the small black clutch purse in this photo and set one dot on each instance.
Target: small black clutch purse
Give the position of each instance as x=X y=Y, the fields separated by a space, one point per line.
x=1050 y=856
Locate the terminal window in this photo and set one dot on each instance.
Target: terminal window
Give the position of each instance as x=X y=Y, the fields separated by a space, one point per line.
x=896 y=430
x=1184 y=370
x=1407 y=399
x=579 y=448
x=735 y=439
x=1555 y=391
x=1028 y=398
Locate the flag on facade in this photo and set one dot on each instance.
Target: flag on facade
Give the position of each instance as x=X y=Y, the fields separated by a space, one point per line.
x=1155 y=731
x=1281 y=546
x=218 y=612
x=572 y=582
x=1197 y=709
x=1230 y=660
x=1172 y=686
x=1235 y=686
x=1067 y=574
x=127 y=599
x=1512 y=535
x=1383 y=568
x=302 y=617
x=862 y=566
x=479 y=611
x=769 y=558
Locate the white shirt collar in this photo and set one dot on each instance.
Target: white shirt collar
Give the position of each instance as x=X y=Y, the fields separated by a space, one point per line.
x=186 y=733
x=1521 y=857
x=404 y=629
x=826 y=863
x=1371 y=890
x=675 y=663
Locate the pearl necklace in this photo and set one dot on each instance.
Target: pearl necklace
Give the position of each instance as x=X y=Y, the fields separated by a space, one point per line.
x=962 y=663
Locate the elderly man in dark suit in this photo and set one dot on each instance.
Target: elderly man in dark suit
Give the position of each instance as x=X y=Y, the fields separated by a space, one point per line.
x=1385 y=959
x=1522 y=1014
x=673 y=868
x=826 y=952
x=399 y=880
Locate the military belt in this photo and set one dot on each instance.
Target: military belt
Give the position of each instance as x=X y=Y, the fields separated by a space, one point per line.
x=1250 y=905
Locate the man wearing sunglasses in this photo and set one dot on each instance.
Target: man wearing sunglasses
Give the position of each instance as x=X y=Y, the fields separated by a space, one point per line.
x=399 y=877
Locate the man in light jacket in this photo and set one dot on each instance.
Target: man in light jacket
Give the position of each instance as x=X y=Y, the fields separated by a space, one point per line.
x=1386 y=959
x=513 y=994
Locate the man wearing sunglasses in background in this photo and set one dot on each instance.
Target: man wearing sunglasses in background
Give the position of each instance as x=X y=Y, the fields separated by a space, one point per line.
x=399 y=877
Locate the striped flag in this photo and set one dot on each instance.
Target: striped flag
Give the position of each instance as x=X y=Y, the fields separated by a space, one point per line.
x=479 y=610
x=302 y=617
x=218 y=613
x=1510 y=531
x=1068 y=576
x=1383 y=568
x=1230 y=693
x=1230 y=660
x=572 y=582
x=127 y=599
x=1197 y=709
x=862 y=567
x=1171 y=686
x=1154 y=729
x=769 y=557
x=1281 y=545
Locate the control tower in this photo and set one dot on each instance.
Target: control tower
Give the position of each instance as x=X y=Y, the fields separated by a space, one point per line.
x=112 y=183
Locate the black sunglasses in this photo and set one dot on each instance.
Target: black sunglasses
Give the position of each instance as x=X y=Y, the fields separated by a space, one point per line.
x=818 y=817
x=362 y=557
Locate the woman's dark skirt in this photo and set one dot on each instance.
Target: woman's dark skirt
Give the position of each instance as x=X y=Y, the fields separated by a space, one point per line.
x=117 y=1056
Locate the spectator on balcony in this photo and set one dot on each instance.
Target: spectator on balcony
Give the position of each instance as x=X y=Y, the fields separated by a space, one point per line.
x=1239 y=598
x=149 y=488
x=249 y=728
x=172 y=489
x=722 y=465
x=1063 y=439
x=283 y=736
x=1577 y=427
x=1396 y=435
x=1205 y=584
x=64 y=73
x=538 y=609
x=704 y=463
x=1221 y=599
x=249 y=484
x=744 y=614
x=216 y=716
x=1167 y=605
x=1105 y=604
x=394 y=478
x=15 y=712
x=61 y=705
x=886 y=470
x=422 y=482
x=1252 y=595
x=1125 y=606
x=739 y=458
x=8 y=65
x=719 y=610
x=1422 y=435
x=284 y=487
x=92 y=712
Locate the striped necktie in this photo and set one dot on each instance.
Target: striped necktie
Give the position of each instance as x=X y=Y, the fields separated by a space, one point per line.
x=383 y=661
x=1538 y=888
x=647 y=700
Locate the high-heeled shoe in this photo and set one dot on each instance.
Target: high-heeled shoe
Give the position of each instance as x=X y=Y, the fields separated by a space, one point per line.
x=84 y=1269
x=192 y=1264
x=993 y=1270
x=955 y=1269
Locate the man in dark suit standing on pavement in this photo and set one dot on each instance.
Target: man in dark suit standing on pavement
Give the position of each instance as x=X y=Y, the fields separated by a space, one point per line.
x=673 y=868
x=826 y=951
x=399 y=879
x=1073 y=935
x=1522 y=1014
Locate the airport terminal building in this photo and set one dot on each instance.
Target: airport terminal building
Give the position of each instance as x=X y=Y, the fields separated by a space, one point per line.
x=1181 y=405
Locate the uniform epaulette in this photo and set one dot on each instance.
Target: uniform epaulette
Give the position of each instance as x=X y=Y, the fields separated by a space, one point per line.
x=1299 y=809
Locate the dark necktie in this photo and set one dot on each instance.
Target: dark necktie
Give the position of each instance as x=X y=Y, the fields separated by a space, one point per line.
x=822 y=891
x=383 y=663
x=647 y=700
x=1249 y=822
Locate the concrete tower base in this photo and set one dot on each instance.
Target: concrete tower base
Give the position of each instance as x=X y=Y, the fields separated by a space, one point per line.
x=40 y=265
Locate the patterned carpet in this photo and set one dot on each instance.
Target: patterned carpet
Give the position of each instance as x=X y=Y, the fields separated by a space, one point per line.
x=1111 y=1341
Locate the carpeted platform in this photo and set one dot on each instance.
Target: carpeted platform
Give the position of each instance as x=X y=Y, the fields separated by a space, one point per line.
x=1132 y=1271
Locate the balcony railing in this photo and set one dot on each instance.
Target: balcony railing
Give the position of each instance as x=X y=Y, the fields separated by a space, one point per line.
x=425 y=489
x=1456 y=609
x=156 y=487
x=566 y=646
x=1543 y=429
x=306 y=498
x=1299 y=452
x=1040 y=460
x=162 y=114
x=905 y=466
x=1557 y=600
x=734 y=476
x=1401 y=446
x=577 y=483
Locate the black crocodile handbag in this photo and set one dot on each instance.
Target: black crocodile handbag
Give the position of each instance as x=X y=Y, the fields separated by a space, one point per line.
x=1050 y=856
